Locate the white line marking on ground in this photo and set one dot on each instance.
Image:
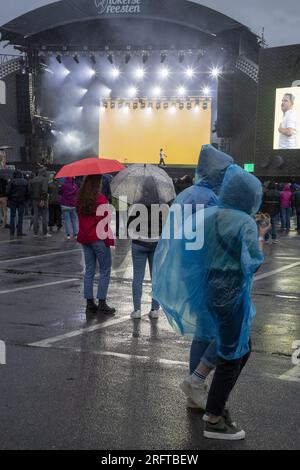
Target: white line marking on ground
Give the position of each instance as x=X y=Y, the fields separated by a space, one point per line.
x=9 y=241
x=38 y=286
x=12 y=260
x=276 y=271
x=128 y=356
x=292 y=375
x=45 y=343
x=100 y=326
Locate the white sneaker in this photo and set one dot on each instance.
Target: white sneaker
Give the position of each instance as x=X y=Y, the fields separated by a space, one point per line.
x=196 y=392
x=154 y=314
x=191 y=404
x=47 y=235
x=136 y=315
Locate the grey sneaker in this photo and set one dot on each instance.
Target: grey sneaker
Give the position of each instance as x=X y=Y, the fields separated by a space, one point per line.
x=196 y=393
x=154 y=314
x=136 y=315
x=226 y=415
x=224 y=431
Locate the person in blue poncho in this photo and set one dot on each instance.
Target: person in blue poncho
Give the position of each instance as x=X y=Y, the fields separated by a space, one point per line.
x=211 y=296
x=203 y=356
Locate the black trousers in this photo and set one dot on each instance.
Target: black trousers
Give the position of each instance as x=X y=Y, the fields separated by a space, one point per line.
x=55 y=215
x=225 y=378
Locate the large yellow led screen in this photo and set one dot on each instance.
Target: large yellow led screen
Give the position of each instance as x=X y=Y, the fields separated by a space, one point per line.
x=137 y=135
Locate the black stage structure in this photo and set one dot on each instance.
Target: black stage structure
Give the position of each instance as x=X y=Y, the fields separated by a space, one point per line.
x=60 y=39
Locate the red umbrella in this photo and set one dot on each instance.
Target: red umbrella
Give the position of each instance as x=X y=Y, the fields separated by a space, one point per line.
x=90 y=166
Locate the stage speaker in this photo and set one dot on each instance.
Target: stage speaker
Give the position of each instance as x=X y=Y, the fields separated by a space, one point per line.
x=23 y=104
x=225 y=107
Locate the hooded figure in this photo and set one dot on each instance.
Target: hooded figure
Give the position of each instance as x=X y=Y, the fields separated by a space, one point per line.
x=206 y=292
x=210 y=172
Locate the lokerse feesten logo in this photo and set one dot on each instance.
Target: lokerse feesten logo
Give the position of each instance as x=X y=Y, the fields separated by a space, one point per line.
x=118 y=6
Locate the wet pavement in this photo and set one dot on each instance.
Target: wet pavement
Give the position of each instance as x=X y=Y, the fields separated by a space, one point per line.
x=112 y=383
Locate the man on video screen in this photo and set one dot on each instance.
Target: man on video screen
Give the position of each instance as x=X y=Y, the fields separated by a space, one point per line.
x=288 y=128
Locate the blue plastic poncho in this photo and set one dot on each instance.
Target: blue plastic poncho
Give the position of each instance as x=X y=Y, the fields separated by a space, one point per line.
x=210 y=172
x=206 y=292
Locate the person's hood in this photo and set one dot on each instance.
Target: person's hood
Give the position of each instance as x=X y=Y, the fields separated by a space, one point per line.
x=287 y=187
x=43 y=173
x=241 y=190
x=212 y=167
x=69 y=180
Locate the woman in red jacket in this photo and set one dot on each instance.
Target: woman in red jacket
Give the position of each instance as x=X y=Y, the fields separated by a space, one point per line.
x=95 y=249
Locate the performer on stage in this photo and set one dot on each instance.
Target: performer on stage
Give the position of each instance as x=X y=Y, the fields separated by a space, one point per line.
x=162 y=157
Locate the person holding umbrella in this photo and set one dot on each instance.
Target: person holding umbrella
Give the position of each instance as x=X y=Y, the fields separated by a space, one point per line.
x=95 y=248
x=143 y=186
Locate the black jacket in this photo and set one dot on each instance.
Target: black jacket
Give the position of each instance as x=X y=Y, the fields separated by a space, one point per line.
x=271 y=202
x=17 y=190
x=296 y=201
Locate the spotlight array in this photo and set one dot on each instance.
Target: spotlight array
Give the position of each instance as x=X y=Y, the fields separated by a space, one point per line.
x=165 y=104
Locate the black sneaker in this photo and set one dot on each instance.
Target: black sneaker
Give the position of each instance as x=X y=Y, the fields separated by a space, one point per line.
x=91 y=308
x=223 y=430
x=104 y=308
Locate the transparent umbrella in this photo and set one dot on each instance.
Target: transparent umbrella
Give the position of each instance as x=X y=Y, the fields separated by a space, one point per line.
x=143 y=184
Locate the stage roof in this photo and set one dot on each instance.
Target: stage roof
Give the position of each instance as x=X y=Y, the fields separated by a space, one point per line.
x=117 y=23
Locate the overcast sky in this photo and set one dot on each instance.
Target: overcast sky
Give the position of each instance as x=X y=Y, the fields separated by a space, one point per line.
x=280 y=18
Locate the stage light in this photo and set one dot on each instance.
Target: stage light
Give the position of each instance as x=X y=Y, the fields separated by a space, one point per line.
x=196 y=108
x=164 y=72
x=181 y=57
x=145 y=57
x=76 y=58
x=190 y=72
x=215 y=72
x=127 y=58
x=115 y=72
x=189 y=105
x=166 y=105
x=110 y=58
x=93 y=59
x=132 y=92
x=204 y=105
x=163 y=57
x=181 y=105
x=158 y=104
x=206 y=91
x=156 y=91
x=181 y=91
x=58 y=58
x=139 y=73
x=112 y=105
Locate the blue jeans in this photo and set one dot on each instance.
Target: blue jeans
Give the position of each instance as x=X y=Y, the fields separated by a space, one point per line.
x=14 y=207
x=97 y=251
x=140 y=255
x=71 y=220
x=285 y=218
x=273 y=229
x=203 y=351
